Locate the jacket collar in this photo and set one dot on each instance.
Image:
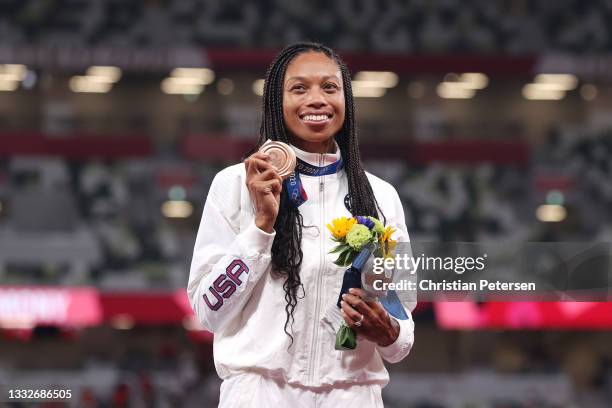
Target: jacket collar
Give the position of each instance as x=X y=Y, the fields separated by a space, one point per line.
x=318 y=159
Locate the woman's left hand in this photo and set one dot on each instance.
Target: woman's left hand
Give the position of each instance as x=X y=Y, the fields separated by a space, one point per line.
x=368 y=318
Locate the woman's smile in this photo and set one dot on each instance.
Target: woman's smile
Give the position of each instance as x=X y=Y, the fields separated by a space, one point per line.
x=316 y=120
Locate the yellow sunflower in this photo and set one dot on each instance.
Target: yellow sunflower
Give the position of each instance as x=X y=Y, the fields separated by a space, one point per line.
x=340 y=226
x=387 y=243
x=386 y=236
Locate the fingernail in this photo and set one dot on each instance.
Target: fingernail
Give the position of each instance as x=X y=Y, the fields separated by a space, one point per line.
x=342 y=302
x=352 y=290
x=344 y=296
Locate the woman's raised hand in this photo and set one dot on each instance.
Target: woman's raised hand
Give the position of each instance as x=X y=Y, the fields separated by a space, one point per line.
x=265 y=186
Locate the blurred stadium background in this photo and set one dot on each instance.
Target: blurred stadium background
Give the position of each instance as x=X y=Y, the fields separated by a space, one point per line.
x=491 y=118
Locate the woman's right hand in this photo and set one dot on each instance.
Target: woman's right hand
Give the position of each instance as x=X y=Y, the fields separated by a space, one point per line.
x=265 y=186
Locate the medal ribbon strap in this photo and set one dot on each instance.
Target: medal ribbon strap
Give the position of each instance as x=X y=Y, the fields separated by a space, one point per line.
x=308 y=169
x=393 y=305
x=293 y=184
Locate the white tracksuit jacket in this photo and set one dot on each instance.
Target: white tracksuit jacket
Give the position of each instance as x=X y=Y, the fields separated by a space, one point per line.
x=235 y=295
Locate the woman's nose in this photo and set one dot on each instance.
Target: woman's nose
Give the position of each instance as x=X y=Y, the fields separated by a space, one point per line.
x=316 y=98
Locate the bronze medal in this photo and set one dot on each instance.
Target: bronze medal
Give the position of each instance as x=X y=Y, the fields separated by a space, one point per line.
x=282 y=157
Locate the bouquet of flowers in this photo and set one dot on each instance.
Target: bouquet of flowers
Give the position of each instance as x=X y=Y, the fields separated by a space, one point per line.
x=353 y=234
x=357 y=239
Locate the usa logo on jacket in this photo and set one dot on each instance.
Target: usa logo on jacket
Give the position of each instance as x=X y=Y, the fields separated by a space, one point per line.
x=225 y=285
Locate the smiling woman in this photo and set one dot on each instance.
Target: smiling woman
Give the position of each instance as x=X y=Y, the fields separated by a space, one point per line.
x=313 y=102
x=261 y=253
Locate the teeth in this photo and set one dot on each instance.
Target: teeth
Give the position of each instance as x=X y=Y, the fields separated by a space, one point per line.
x=315 y=118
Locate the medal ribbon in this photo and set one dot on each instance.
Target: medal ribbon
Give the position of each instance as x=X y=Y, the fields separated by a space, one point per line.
x=293 y=184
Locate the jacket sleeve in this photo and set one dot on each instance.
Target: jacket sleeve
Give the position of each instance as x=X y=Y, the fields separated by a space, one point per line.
x=227 y=262
x=399 y=349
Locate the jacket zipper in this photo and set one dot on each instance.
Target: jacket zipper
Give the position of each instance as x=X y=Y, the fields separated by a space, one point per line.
x=314 y=345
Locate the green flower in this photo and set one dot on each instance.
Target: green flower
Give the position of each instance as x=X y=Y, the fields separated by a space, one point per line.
x=379 y=228
x=358 y=236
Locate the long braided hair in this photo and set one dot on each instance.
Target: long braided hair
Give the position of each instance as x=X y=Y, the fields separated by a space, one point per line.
x=286 y=248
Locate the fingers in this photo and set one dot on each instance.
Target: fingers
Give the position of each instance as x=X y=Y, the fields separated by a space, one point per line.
x=368 y=317
x=358 y=292
x=262 y=178
x=375 y=306
x=276 y=185
x=350 y=315
x=270 y=174
x=358 y=303
x=257 y=168
x=258 y=156
x=257 y=163
x=355 y=310
x=267 y=186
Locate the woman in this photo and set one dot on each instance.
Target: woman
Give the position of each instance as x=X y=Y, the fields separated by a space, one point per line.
x=262 y=277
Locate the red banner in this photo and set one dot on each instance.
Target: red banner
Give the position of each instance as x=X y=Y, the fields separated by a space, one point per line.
x=75 y=146
x=224 y=148
x=23 y=308
x=524 y=315
x=28 y=307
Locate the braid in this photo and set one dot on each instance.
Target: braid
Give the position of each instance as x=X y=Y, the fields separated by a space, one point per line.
x=286 y=249
x=361 y=196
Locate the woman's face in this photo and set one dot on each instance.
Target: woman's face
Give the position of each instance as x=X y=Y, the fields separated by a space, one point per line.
x=313 y=101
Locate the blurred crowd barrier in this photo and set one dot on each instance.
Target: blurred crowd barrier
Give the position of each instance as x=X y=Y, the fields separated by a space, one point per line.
x=513 y=26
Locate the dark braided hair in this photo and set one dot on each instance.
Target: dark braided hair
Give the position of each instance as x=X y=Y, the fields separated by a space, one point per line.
x=286 y=248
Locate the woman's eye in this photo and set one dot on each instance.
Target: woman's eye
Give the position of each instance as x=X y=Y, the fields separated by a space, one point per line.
x=298 y=88
x=330 y=87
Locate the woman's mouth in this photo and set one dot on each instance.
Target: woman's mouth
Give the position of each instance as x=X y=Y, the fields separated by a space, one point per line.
x=315 y=120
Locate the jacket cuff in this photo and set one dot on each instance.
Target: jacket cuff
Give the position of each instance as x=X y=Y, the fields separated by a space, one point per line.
x=400 y=348
x=254 y=242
